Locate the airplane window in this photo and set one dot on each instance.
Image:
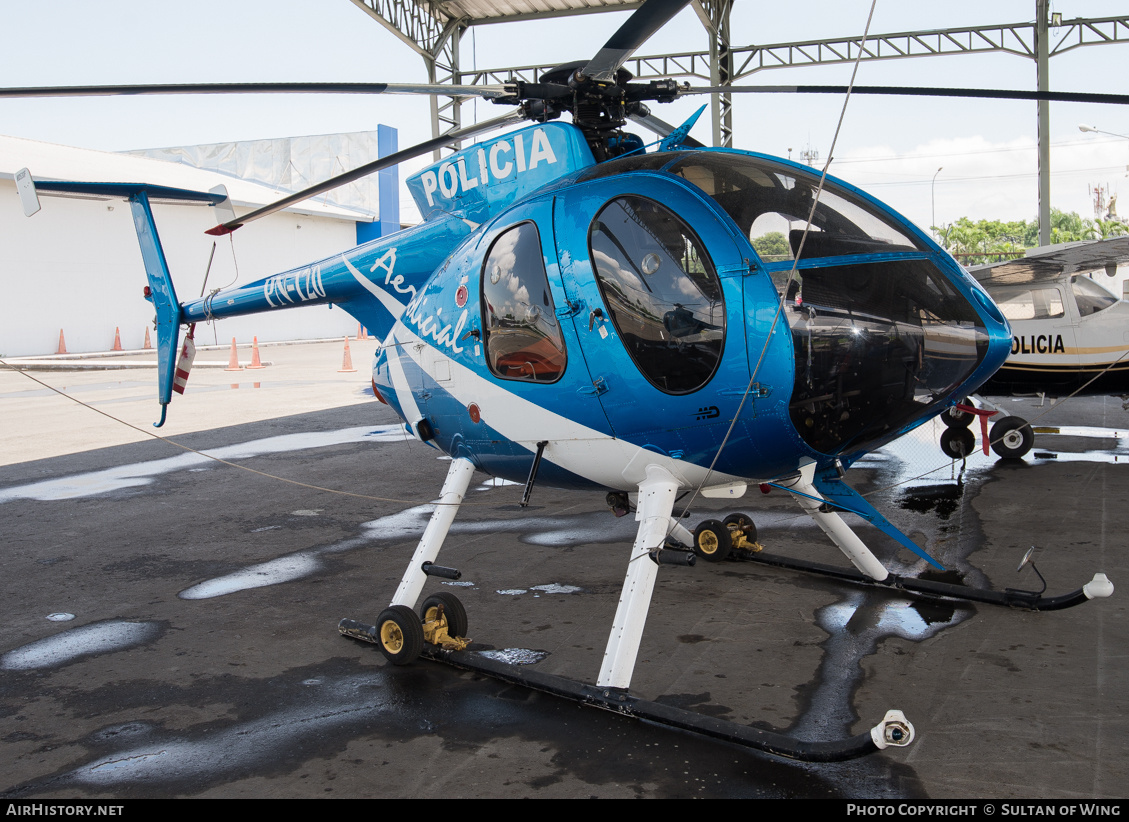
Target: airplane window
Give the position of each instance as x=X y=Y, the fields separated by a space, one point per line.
x=522 y=337
x=1091 y=297
x=770 y=203
x=662 y=292
x=1030 y=304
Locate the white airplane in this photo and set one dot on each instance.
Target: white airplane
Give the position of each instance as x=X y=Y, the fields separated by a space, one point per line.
x=1070 y=335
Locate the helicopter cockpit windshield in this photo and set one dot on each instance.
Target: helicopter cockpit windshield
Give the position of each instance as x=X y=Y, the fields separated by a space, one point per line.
x=880 y=332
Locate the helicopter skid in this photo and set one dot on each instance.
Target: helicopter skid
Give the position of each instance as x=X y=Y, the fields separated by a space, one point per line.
x=1098 y=587
x=893 y=731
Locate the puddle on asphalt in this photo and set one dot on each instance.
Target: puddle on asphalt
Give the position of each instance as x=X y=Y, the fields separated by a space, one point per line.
x=274 y=572
x=241 y=745
x=98 y=638
x=141 y=473
x=932 y=494
x=556 y=588
x=495 y=482
x=515 y=656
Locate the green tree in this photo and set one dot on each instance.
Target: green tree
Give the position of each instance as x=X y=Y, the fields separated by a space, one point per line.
x=1110 y=228
x=772 y=246
x=1070 y=228
x=998 y=239
x=986 y=241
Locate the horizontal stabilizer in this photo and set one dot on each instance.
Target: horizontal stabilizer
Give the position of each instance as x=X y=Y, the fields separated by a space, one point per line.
x=127 y=190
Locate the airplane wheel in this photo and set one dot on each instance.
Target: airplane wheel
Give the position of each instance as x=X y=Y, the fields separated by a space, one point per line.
x=957 y=443
x=400 y=634
x=712 y=541
x=743 y=523
x=1012 y=437
x=955 y=418
x=452 y=608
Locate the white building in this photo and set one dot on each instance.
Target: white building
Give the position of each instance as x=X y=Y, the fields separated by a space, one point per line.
x=76 y=266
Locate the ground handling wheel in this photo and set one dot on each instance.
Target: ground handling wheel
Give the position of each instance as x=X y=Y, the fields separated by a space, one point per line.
x=444 y=621
x=955 y=418
x=742 y=532
x=1012 y=437
x=712 y=541
x=399 y=634
x=957 y=443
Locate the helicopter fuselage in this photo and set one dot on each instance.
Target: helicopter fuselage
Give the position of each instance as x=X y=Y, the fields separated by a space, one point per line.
x=662 y=308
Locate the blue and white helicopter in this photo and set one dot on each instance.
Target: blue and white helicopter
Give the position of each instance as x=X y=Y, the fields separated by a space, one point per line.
x=578 y=312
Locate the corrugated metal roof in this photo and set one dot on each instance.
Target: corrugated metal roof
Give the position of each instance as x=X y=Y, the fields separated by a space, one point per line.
x=486 y=11
x=48 y=161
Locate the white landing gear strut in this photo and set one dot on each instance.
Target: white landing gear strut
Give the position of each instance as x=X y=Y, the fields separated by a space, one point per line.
x=656 y=502
x=401 y=638
x=833 y=525
x=450 y=498
x=399 y=631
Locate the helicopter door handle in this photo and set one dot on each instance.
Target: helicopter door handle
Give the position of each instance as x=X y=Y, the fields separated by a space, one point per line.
x=596 y=314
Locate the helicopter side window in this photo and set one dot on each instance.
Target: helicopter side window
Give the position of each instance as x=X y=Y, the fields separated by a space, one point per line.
x=522 y=337
x=662 y=292
x=1091 y=297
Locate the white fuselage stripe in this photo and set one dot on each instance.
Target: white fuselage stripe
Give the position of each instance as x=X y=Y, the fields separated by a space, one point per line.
x=586 y=452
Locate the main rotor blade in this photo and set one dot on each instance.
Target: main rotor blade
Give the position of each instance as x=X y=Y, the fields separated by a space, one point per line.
x=260 y=88
x=645 y=21
x=368 y=168
x=915 y=91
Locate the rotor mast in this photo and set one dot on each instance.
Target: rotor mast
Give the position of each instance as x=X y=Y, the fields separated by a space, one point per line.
x=434 y=28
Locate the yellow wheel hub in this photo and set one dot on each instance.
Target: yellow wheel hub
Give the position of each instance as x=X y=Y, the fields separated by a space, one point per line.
x=391 y=637
x=708 y=542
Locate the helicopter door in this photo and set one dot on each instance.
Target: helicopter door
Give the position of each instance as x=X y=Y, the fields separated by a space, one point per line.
x=528 y=344
x=657 y=310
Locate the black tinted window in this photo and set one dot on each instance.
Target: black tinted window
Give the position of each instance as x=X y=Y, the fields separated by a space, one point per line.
x=661 y=290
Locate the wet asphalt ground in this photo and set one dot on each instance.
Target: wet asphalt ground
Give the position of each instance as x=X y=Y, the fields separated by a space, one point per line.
x=203 y=658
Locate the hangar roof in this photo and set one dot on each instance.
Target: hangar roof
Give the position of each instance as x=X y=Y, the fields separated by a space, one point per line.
x=49 y=161
x=496 y=11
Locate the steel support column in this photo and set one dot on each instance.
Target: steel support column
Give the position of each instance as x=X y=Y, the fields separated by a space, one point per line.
x=714 y=15
x=1042 y=62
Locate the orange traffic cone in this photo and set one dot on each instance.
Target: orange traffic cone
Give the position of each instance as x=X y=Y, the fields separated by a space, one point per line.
x=361 y=333
x=255 y=362
x=117 y=340
x=62 y=343
x=233 y=364
x=148 y=345
x=347 y=362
